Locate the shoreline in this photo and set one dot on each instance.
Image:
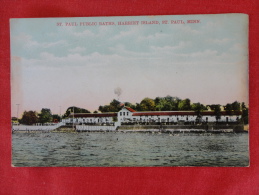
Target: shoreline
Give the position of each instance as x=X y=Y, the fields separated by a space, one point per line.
x=176 y=131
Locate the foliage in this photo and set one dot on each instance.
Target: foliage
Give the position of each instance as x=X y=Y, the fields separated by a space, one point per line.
x=198 y=108
x=128 y=104
x=235 y=106
x=45 y=116
x=56 y=118
x=147 y=104
x=74 y=109
x=114 y=106
x=245 y=113
x=167 y=103
x=29 y=118
x=185 y=104
x=216 y=108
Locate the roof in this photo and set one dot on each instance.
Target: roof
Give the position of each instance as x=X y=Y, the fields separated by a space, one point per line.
x=172 y=113
x=86 y=115
x=130 y=109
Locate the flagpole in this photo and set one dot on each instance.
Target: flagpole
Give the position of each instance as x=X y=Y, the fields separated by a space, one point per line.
x=73 y=115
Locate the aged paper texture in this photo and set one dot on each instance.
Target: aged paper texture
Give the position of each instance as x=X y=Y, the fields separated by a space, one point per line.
x=130 y=91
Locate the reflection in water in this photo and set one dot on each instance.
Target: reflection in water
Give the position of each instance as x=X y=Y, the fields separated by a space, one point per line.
x=129 y=149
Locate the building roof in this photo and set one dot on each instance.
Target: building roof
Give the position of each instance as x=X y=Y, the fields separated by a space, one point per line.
x=152 y=113
x=173 y=113
x=130 y=109
x=86 y=115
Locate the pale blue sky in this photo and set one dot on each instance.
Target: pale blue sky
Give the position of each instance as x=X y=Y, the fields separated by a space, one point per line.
x=56 y=66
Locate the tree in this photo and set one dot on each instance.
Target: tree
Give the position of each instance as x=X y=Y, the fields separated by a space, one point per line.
x=198 y=107
x=228 y=108
x=56 y=118
x=74 y=109
x=128 y=104
x=235 y=106
x=245 y=112
x=29 y=118
x=167 y=103
x=147 y=104
x=175 y=103
x=138 y=108
x=95 y=111
x=45 y=116
x=160 y=103
x=115 y=106
x=216 y=108
x=184 y=104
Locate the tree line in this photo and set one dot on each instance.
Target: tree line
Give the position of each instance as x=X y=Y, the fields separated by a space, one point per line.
x=167 y=103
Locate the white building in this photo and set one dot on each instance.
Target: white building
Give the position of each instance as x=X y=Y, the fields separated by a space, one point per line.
x=89 y=118
x=127 y=114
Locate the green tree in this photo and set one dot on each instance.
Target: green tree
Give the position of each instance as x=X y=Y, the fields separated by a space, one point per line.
x=115 y=105
x=217 y=110
x=74 y=109
x=29 y=118
x=167 y=103
x=235 y=106
x=198 y=107
x=56 y=118
x=159 y=103
x=245 y=112
x=147 y=104
x=128 y=104
x=184 y=104
x=228 y=107
x=175 y=103
x=45 y=116
x=138 y=108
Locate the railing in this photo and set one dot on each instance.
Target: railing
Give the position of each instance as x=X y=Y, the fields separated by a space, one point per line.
x=36 y=127
x=94 y=128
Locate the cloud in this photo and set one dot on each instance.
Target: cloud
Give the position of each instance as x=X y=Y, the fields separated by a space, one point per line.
x=27 y=42
x=85 y=33
x=77 y=50
x=124 y=34
x=169 y=49
x=49 y=60
x=219 y=41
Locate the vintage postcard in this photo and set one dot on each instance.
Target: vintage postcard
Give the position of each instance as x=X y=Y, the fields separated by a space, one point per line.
x=130 y=91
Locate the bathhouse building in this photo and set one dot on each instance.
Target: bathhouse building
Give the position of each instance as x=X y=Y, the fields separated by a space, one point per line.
x=128 y=115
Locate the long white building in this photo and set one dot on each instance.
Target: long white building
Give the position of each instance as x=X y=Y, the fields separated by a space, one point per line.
x=128 y=115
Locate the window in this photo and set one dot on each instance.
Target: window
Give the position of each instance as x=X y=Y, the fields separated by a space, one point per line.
x=120 y=114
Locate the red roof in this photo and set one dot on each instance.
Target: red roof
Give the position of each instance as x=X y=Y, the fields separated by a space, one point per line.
x=130 y=109
x=171 y=113
x=85 y=115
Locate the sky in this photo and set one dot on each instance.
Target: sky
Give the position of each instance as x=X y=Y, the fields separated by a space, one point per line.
x=56 y=66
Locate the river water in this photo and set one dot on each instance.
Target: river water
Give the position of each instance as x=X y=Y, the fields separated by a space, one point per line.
x=129 y=149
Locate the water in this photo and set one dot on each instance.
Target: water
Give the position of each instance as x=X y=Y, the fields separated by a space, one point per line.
x=129 y=149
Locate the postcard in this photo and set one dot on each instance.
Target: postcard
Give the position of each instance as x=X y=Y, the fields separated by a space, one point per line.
x=135 y=91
